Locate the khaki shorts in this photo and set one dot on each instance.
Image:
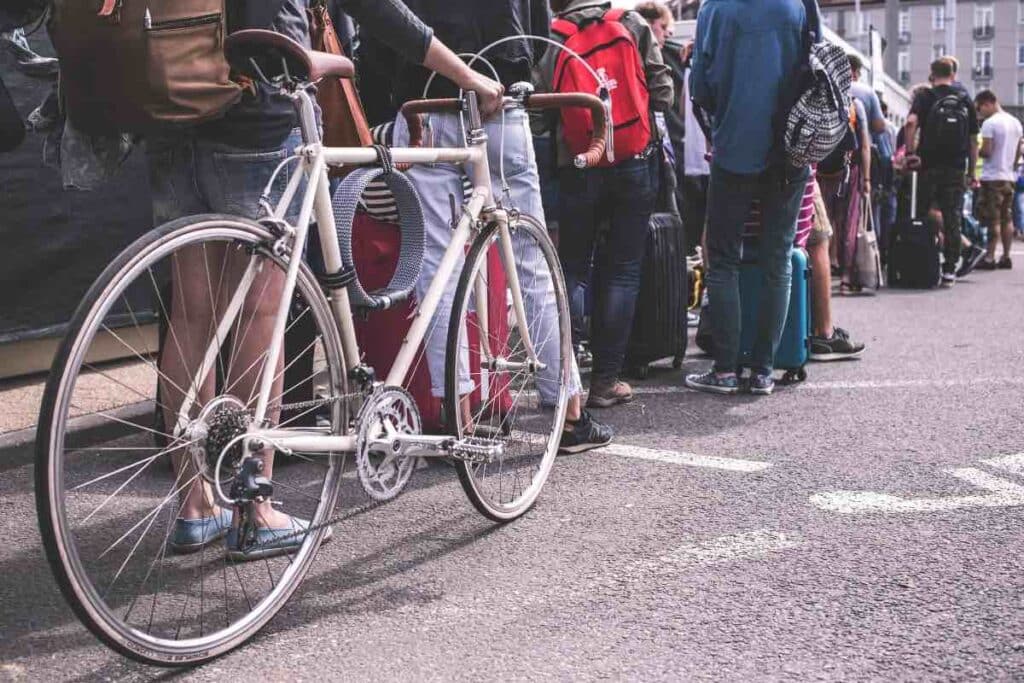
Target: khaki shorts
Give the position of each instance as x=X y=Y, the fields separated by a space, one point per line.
x=995 y=203
x=822 y=228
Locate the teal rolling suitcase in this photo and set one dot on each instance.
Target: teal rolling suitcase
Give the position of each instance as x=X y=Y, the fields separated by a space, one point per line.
x=794 y=348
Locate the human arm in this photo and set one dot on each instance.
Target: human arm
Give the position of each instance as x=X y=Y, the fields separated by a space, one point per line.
x=972 y=168
x=659 y=75
x=701 y=91
x=910 y=135
x=864 y=134
x=877 y=119
x=394 y=24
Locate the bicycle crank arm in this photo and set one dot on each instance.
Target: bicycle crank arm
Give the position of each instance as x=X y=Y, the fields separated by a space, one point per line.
x=428 y=446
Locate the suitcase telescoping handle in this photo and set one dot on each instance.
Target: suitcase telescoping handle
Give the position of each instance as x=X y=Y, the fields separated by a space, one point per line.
x=913 y=196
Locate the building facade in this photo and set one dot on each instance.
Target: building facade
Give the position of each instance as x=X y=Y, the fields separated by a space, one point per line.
x=989 y=38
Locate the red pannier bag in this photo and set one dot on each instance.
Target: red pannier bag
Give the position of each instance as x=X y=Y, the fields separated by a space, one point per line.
x=375 y=248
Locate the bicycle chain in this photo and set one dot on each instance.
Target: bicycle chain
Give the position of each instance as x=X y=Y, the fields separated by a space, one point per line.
x=337 y=519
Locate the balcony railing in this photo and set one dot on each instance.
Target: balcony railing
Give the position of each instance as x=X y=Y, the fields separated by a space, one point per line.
x=904 y=37
x=986 y=32
x=904 y=77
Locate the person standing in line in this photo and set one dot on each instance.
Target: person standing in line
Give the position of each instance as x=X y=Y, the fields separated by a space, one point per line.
x=1001 y=149
x=223 y=166
x=512 y=160
x=948 y=152
x=623 y=192
x=743 y=55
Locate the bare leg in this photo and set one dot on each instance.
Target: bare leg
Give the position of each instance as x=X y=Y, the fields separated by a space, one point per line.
x=821 y=288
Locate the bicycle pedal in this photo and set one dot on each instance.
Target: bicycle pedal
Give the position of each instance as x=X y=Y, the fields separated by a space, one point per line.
x=476 y=450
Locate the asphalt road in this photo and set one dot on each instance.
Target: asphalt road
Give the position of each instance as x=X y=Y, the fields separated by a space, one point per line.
x=865 y=525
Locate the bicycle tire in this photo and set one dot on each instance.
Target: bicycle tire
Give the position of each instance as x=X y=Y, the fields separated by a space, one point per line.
x=58 y=540
x=471 y=475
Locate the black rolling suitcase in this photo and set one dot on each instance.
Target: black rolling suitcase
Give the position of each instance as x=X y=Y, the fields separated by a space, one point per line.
x=913 y=253
x=659 y=323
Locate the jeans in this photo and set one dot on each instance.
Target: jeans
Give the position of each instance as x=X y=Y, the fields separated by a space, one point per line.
x=729 y=199
x=623 y=196
x=694 y=209
x=189 y=175
x=435 y=182
x=943 y=189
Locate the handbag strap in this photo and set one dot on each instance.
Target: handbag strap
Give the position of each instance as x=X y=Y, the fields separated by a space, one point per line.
x=325 y=39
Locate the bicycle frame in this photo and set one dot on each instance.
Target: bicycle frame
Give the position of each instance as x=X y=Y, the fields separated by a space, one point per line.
x=316 y=203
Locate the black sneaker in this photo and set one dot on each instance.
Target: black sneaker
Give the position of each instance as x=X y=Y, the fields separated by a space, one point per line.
x=971 y=258
x=986 y=265
x=836 y=347
x=1005 y=263
x=585 y=434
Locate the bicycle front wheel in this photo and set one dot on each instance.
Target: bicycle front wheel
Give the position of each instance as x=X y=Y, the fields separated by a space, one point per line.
x=132 y=428
x=510 y=410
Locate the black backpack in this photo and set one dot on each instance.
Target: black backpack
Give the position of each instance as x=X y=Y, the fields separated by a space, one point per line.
x=946 y=130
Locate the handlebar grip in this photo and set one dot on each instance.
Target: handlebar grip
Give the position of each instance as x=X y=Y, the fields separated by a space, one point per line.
x=599 y=138
x=411 y=111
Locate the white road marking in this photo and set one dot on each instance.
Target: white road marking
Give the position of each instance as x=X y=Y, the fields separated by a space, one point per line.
x=741 y=546
x=690 y=459
x=865 y=384
x=1001 y=493
x=1010 y=463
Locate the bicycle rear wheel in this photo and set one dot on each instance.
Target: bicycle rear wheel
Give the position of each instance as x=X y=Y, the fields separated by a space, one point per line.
x=111 y=482
x=507 y=403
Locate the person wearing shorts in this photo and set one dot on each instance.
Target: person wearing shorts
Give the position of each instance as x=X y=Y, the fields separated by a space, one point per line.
x=1000 y=148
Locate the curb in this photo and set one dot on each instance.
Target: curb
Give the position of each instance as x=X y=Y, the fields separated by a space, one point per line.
x=91 y=426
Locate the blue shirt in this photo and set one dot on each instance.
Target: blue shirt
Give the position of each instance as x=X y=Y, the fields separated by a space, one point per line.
x=869 y=98
x=745 y=50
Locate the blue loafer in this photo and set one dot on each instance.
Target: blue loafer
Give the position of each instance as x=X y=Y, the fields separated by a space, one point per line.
x=192 y=535
x=271 y=542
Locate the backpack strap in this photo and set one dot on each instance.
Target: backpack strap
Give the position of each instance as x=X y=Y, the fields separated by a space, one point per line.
x=564 y=28
x=614 y=14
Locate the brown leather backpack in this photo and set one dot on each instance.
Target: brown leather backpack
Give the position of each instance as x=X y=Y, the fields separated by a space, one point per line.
x=142 y=65
x=344 y=120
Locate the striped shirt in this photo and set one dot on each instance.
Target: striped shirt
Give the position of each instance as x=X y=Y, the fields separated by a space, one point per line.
x=804 y=221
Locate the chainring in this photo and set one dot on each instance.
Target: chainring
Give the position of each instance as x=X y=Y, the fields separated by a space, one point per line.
x=386 y=412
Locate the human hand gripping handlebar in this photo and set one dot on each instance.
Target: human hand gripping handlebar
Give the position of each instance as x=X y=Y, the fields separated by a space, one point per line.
x=413 y=110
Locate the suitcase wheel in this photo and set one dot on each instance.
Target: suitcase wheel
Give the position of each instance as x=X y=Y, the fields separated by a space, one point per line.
x=795 y=376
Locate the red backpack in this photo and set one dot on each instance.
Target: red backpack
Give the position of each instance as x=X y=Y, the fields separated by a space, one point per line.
x=609 y=48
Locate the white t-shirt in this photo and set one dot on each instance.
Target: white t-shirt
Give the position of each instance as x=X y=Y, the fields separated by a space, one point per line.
x=1005 y=132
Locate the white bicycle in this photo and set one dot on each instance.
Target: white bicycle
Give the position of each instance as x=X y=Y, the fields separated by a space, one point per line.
x=106 y=506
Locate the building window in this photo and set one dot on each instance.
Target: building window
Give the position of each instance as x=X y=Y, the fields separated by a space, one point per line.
x=863 y=23
x=982 y=62
x=939 y=17
x=938 y=51
x=1020 y=54
x=1020 y=94
x=984 y=21
x=903 y=65
x=904 y=21
x=1020 y=12
x=829 y=19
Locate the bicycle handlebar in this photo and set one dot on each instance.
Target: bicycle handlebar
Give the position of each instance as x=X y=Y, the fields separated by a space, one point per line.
x=598 y=141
